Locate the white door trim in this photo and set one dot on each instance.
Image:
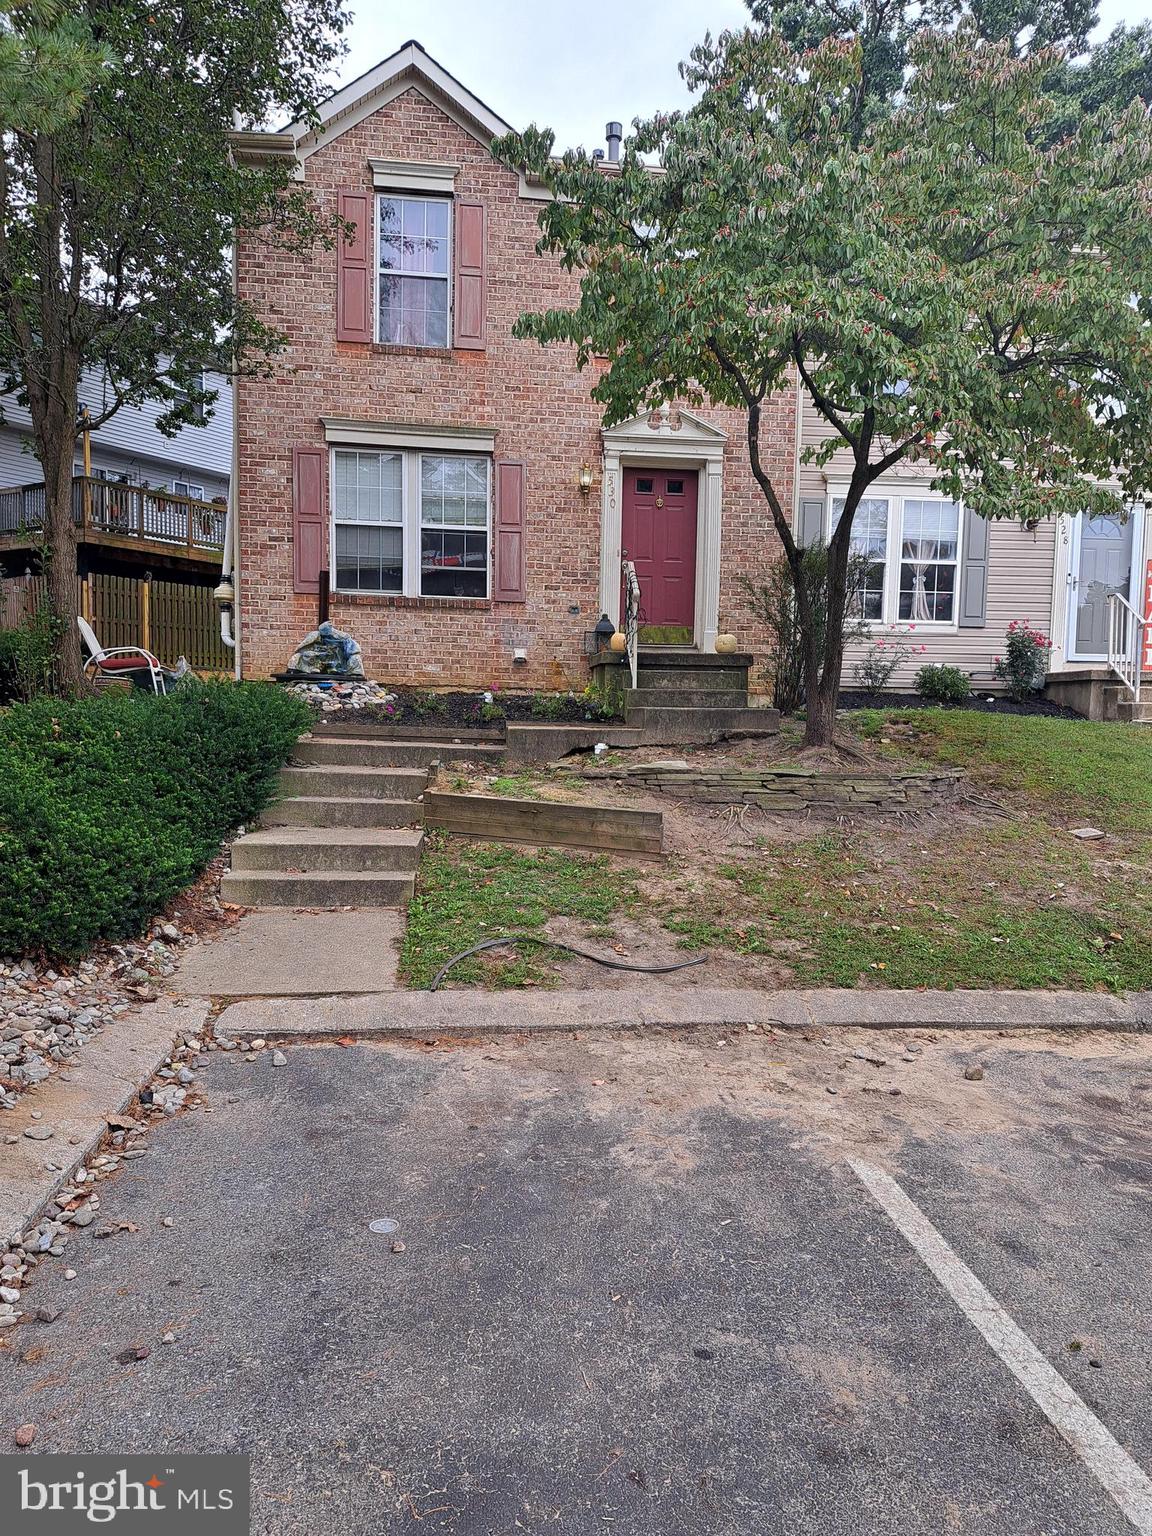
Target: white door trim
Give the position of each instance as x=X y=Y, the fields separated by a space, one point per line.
x=1136 y=523
x=666 y=439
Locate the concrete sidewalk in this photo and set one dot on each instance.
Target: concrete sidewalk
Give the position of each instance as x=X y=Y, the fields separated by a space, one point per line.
x=468 y=1012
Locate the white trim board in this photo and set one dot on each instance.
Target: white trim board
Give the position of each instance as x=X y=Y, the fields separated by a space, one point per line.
x=408 y=66
x=344 y=431
x=666 y=440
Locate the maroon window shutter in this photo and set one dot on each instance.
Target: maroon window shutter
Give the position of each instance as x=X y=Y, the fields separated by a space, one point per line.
x=471 y=315
x=508 y=563
x=309 y=516
x=354 y=269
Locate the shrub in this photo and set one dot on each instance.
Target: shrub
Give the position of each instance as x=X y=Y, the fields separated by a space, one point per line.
x=939 y=684
x=109 y=806
x=773 y=603
x=26 y=658
x=549 y=706
x=1025 y=659
x=873 y=672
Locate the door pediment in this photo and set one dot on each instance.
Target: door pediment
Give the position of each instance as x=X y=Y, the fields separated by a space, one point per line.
x=665 y=430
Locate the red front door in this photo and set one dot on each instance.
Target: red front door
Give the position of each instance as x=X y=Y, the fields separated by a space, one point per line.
x=659 y=537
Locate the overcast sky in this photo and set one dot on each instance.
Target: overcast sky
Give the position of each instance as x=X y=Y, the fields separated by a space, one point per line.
x=566 y=65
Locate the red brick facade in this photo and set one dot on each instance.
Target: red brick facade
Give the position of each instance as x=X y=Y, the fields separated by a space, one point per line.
x=534 y=397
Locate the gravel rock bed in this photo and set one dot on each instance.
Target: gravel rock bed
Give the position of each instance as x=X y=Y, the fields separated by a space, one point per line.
x=75 y=1209
x=48 y=1012
x=330 y=698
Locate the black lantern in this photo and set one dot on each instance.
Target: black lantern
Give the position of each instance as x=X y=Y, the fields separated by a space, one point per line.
x=604 y=631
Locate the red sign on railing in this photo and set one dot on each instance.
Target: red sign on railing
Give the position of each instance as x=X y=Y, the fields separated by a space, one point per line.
x=1148 y=617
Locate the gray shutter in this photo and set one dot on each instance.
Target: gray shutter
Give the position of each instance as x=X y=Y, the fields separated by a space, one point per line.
x=973 y=613
x=810 y=522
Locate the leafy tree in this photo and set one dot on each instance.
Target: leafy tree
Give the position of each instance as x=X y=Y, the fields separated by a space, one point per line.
x=886 y=29
x=951 y=290
x=118 y=200
x=1115 y=72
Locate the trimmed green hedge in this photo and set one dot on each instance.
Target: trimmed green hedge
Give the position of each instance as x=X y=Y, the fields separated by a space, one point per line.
x=110 y=806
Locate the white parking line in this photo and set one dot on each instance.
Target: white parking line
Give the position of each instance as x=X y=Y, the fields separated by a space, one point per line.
x=1128 y=1484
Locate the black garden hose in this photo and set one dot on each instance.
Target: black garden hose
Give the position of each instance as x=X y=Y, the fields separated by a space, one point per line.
x=585 y=954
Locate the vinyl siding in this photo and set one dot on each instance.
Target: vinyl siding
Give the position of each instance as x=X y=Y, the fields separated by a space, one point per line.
x=130 y=441
x=1021 y=565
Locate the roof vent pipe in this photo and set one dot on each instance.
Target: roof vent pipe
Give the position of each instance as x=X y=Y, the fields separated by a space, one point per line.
x=613 y=133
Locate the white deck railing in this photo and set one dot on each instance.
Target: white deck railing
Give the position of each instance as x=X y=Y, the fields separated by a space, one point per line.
x=631 y=616
x=1126 y=640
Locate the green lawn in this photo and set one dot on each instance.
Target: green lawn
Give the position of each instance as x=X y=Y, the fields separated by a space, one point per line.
x=1017 y=908
x=1074 y=768
x=965 y=901
x=468 y=892
x=967 y=898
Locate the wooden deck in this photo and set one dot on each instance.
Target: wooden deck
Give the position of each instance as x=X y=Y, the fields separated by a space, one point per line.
x=132 y=518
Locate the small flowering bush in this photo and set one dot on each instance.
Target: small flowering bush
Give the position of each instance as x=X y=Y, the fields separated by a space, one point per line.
x=487 y=709
x=940 y=684
x=1025 y=659
x=874 y=671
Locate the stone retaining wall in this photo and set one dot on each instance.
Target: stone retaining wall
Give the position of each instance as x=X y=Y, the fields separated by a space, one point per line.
x=793 y=789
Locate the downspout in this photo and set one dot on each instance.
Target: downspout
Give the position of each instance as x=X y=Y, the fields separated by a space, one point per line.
x=225 y=593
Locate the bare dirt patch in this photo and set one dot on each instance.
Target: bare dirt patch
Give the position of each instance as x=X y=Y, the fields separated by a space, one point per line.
x=889 y=1086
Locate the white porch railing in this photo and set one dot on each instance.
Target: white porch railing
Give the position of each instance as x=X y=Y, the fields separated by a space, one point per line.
x=1126 y=639
x=631 y=615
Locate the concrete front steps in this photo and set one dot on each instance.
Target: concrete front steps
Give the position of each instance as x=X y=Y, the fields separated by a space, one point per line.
x=389 y=752
x=687 y=696
x=346 y=831
x=1138 y=714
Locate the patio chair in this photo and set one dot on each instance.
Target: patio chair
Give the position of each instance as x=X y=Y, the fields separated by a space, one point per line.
x=127 y=661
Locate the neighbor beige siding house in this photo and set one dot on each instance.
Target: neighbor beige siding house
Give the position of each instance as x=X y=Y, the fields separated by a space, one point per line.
x=953 y=582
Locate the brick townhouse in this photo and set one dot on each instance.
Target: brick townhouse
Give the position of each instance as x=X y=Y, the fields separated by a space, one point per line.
x=454 y=488
x=456 y=484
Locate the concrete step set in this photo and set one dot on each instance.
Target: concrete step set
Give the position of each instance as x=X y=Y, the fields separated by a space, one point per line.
x=348 y=826
x=686 y=696
x=347 y=829
x=1140 y=713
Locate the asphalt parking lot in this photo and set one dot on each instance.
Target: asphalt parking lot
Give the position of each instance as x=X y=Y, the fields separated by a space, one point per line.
x=642 y=1285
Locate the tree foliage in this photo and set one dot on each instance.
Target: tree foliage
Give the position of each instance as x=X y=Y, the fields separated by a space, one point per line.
x=886 y=29
x=119 y=196
x=953 y=287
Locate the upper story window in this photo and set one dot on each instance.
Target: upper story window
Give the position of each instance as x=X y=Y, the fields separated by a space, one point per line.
x=911 y=546
x=414 y=245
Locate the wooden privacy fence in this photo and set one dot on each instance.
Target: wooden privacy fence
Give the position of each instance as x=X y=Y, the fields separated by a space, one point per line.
x=169 y=618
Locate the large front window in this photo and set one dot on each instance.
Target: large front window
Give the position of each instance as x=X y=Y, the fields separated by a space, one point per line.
x=909 y=549
x=414 y=241
x=410 y=523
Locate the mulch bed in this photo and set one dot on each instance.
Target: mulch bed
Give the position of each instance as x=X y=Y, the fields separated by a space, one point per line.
x=983 y=703
x=415 y=707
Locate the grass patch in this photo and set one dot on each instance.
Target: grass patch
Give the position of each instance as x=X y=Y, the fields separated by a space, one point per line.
x=1070 y=767
x=1012 y=908
x=519 y=786
x=468 y=892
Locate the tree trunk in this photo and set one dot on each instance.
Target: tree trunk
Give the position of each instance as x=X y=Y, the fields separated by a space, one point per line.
x=57 y=446
x=823 y=664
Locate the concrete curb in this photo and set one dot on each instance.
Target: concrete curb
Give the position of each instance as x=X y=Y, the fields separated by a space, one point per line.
x=463 y=1013
x=112 y=1069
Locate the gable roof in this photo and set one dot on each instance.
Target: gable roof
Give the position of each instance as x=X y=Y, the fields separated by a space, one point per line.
x=409 y=65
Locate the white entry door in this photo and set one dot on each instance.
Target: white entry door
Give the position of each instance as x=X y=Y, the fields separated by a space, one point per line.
x=1103 y=558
